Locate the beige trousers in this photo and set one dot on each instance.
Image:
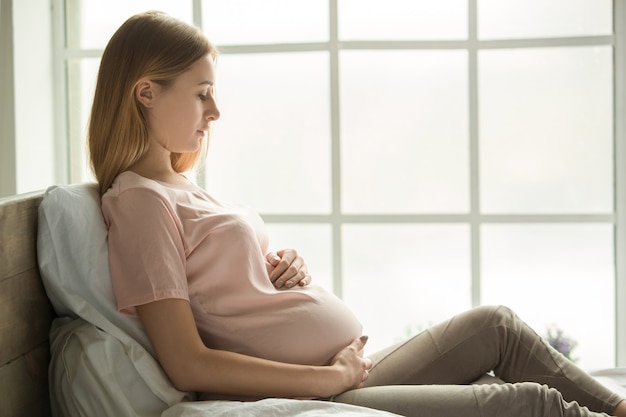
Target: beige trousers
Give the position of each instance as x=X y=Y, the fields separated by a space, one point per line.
x=431 y=374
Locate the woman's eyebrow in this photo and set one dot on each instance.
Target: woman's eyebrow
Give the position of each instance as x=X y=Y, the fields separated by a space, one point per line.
x=206 y=82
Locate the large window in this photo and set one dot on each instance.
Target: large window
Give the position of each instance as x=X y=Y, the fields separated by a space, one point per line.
x=424 y=157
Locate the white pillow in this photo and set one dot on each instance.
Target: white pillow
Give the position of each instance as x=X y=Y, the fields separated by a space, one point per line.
x=74 y=263
x=101 y=360
x=93 y=374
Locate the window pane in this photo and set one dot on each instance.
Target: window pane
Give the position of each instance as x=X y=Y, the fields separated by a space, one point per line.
x=404 y=131
x=402 y=278
x=546 y=130
x=402 y=19
x=543 y=19
x=81 y=82
x=556 y=274
x=271 y=147
x=92 y=23
x=268 y=21
x=313 y=242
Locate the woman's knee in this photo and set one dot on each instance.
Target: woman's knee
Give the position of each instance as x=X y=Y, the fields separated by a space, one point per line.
x=544 y=399
x=494 y=315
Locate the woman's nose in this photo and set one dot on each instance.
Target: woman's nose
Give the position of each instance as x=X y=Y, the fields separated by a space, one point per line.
x=212 y=112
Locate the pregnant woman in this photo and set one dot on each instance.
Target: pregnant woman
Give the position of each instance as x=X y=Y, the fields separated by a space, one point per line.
x=231 y=319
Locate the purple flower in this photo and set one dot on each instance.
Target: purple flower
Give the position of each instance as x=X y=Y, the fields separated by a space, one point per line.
x=560 y=341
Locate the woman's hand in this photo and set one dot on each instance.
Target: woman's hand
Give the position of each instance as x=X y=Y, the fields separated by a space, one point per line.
x=286 y=269
x=352 y=366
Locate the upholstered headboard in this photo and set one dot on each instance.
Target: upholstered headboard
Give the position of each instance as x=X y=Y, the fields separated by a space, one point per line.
x=25 y=312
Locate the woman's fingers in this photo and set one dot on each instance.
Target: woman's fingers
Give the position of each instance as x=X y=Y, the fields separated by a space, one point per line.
x=353 y=365
x=289 y=269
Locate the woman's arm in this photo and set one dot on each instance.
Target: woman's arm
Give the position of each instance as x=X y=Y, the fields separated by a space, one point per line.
x=192 y=366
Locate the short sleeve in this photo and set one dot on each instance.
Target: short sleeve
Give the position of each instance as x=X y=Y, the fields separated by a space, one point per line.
x=146 y=248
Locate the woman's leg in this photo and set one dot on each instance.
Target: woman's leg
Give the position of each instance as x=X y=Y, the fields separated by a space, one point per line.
x=485 y=339
x=524 y=399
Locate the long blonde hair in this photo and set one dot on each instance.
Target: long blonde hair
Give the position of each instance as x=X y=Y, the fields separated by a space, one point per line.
x=149 y=45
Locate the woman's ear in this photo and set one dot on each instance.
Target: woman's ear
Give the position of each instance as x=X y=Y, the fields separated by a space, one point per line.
x=144 y=92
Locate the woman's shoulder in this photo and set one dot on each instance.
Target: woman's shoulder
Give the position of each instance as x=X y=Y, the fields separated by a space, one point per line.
x=129 y=181
x=134 y=191
x=130 y=191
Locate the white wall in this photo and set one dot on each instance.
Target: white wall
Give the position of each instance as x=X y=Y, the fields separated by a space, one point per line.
x=27 y=146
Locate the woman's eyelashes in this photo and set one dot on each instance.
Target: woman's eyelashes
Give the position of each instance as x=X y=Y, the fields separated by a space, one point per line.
x=206 y=94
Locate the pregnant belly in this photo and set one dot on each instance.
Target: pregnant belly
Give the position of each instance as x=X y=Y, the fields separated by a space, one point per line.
x=305 y=326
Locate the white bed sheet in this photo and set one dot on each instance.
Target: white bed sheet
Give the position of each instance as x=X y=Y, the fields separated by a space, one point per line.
x=270 y=407
x=613 y=378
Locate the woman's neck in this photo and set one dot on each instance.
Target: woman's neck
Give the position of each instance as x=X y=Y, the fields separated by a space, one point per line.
x=158 y=166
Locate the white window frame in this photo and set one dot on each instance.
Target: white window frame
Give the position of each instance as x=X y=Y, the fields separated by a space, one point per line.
x=619 y=12
x=474 y=218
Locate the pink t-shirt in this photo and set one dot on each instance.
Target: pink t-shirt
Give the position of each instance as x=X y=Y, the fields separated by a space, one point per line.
x=172 y=241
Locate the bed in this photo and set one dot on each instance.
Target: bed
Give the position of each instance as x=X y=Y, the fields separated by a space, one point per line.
x=62 y=350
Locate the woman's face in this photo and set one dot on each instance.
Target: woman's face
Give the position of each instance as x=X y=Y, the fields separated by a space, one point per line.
x=181 y=114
